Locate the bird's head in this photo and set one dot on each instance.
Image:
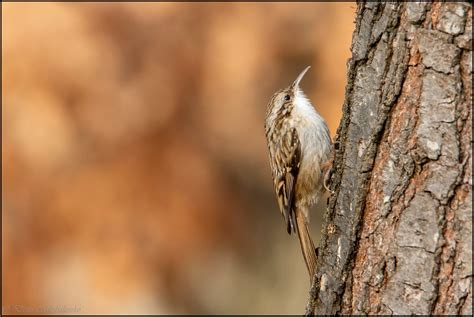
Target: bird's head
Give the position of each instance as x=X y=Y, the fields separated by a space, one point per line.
x=285 y=99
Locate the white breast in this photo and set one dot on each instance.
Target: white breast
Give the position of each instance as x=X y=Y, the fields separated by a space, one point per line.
x=315 y=143
x=312 y=128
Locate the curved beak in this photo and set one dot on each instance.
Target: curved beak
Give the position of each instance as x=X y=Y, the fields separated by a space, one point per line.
x=300 y=77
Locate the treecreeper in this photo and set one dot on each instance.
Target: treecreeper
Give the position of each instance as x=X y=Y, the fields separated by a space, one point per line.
x=299 y=147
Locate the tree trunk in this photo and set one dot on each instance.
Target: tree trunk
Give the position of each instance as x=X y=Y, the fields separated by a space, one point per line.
x=397 y=237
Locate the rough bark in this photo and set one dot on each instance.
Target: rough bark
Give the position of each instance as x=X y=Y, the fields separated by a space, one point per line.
x=397 y=237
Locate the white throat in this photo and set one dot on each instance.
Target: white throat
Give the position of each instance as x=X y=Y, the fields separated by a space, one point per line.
x=303 y=106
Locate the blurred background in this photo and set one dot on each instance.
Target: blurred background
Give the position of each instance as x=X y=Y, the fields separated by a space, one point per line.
x=135 y=170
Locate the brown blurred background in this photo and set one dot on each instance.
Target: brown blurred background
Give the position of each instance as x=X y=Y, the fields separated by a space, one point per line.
x=135 y=172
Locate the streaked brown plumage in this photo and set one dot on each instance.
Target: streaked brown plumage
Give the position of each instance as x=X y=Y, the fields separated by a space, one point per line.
x=299 y=146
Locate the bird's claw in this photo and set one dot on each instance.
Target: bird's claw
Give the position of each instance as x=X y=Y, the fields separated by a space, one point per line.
x=327 y=172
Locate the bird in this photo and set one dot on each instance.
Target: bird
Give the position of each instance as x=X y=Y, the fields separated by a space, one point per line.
x=300 y=151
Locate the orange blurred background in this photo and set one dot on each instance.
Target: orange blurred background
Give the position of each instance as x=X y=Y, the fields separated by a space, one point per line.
x=135 y=168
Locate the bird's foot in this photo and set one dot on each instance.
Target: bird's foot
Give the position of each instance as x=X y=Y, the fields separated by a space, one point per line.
x=327 y=170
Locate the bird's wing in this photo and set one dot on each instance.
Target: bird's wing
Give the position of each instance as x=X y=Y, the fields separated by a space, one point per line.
x=288 y=158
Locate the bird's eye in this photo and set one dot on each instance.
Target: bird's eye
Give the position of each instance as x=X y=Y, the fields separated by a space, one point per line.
x=287 y=97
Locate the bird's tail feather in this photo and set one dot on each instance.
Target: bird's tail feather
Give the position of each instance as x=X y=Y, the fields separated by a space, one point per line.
x=307 y=245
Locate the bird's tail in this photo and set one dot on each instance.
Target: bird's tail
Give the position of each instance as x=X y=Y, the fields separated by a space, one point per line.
x=307 y=245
